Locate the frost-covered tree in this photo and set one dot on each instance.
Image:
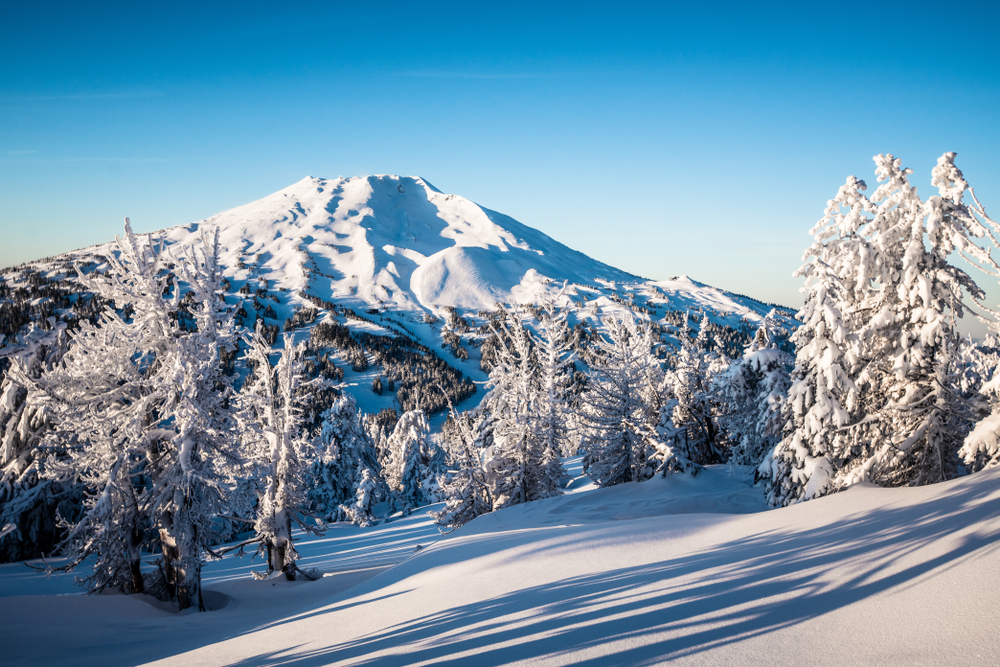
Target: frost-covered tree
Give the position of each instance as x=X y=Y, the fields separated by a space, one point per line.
x=753 y=390
x=30 y=502
x=140 y=402
x=525 y=408
x=622 y=408
x=512 y=461
x=407 y=469
x=911 y=340
x=553 y=341
x=873 y=396
x=273 y=430
x=696 y=410
x=366 y=493
x=466 y=491
x=344 y=447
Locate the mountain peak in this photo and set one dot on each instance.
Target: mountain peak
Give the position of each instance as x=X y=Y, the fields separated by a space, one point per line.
x=391 y=240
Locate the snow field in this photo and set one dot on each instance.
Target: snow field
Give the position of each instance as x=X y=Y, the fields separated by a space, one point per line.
x=685 y=569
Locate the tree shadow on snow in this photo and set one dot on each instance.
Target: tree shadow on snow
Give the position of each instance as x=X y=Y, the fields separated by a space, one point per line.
x=698 y=601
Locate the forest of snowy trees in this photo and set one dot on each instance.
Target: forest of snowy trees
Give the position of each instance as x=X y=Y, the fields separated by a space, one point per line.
x=160 y=422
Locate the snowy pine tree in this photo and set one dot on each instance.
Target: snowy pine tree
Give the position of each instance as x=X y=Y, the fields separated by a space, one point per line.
x=823 y=398
x=366 y=493
x=696 y=410
x=344 y=447
x=273 y=426
x=30 y=502
x=873 y=396
x=525 y=410
x=406 y=470
x=140 y=404
x=512 y=462
x=621 y=409
x=753 y=391
x=913 y=329
x=553 y=341
x=466 y=491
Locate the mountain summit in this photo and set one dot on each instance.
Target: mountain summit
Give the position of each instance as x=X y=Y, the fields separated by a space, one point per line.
x=393 y=241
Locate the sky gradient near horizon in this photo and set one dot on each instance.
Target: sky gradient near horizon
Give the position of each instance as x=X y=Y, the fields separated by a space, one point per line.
x=661 y=138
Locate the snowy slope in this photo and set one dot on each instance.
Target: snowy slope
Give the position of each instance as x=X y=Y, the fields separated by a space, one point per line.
x=685 y=569
x=398 y=243
x=390 y=240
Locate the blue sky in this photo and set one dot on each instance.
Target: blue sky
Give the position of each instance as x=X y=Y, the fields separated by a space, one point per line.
x=663 y=139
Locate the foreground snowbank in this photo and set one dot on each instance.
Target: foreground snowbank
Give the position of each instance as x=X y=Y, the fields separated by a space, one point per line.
x=632 y=575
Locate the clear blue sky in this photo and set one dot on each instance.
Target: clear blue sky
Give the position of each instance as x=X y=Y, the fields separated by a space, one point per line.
x=663 y=139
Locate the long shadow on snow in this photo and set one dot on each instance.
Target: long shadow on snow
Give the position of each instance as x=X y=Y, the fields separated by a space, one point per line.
x=713 y=597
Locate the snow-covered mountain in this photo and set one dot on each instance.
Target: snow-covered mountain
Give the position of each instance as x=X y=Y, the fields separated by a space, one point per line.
x=399 y=243
x=397 y=257
x=392 y=241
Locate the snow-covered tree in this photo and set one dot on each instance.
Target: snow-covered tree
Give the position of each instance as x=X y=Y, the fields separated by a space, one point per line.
x=30 y=502
x=873 y=395
x=511 y=461
x=344 y=447
x=696 y=411
x=553 y=342
x=622 y=408
x=525 y=408
x=366 y=493
x=273 y=428
x=912 y=338
x=466 y=491
x=752 y=391
x=407 y=470
x=141 y=404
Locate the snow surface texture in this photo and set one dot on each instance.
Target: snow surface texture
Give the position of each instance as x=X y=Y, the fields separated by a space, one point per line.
x=682 y=568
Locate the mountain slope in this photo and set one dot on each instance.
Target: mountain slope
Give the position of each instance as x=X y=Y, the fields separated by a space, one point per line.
x=389 y=240
x=399 y=243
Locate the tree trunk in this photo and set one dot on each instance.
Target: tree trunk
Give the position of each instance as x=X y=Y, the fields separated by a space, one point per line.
x=181 y=567
x=138 y=585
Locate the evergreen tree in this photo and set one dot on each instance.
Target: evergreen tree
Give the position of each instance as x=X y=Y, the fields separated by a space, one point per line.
x=30 y=502
x=366 y=493
x=622 y=408
x=512 y=460
x=273 y=427
x=912 y=340
x=553 y=341
x=345 y=447
x=696 y=411
x=406 y=469
x=873 y=396
x=753 y=391
x=466 y=491
x=140 y=404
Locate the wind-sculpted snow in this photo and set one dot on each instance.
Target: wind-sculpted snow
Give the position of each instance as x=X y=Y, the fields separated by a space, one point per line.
x=683 y=569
